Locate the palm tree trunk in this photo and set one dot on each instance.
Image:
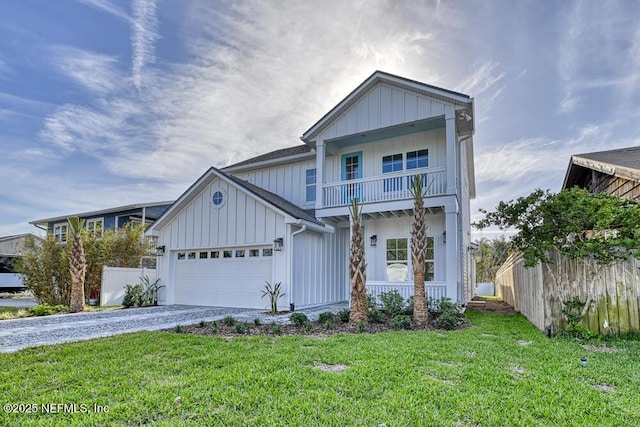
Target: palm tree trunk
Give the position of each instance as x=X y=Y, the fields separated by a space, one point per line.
x=77 y=266
x=357 y=269
x=418 y=248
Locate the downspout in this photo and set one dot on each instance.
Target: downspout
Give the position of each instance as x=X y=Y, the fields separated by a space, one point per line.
x=302 y=230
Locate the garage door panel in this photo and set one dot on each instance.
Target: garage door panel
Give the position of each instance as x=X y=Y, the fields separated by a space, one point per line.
x=222 y=282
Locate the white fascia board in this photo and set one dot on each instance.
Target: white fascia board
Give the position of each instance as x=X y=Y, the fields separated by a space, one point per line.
x=325 y=228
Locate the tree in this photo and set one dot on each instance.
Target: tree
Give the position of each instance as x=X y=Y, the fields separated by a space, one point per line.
x=493 y=253
x=77 y=265
x=357 y=268
x=418 y=248
x=594 y=229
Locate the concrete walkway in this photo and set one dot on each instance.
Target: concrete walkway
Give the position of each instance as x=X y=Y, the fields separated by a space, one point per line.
x=33 y=331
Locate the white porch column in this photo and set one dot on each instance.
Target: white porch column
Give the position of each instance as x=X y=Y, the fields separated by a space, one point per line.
x=319 y=173
x=452 y=149
x=451 y=249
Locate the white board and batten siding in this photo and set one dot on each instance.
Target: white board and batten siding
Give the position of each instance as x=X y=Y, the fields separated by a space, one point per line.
x=287 y=181
x=381 y=107
x=242 y=222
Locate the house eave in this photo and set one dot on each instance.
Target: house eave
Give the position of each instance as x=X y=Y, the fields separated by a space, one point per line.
x=99 y=212
x=269 y=163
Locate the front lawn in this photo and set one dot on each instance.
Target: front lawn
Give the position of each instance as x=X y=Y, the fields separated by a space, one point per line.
x=500 y=371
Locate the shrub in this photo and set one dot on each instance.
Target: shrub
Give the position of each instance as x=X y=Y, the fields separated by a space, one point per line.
x=392 y=302
x=275 y=328
x=47 y=310
x=307 y=326
x=257 y=321
x=274 y=294
x=298 y=318
x=324 y=317
x=133 y=296
x=443 y=305
x=448 y=320
x=343 y=315
x=201 y=324
x=401 y=321
x=408 y=310
x=376 y=316
x=229 y=321
x=361 y=326
x=372 y=303
x=328 y=324
x=214 y=328
x=241 y=328
x=178 y=328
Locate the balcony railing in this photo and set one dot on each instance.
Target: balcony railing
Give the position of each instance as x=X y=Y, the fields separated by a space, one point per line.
x=381 y=188
x=435 y=290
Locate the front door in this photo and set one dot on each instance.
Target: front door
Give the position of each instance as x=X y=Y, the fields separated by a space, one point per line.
x=351 y=170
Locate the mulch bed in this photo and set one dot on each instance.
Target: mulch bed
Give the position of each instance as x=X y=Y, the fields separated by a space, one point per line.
x=493 y=306
x=317 y=329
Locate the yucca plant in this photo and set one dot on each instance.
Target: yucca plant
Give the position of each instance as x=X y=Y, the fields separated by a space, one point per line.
x=274 y=294
x=77 y=265
x=357 y=268
x=418 y=248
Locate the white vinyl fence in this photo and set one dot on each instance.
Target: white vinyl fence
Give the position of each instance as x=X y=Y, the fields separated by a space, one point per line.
x=114 y=279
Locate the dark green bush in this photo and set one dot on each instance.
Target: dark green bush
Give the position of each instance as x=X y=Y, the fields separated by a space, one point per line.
x=401 y=321
x=408 y=310
x=133 y=296
x=178 y=328
x=47 y=310
x=275 y=328
x=298 y=318
x=229 y=321
x=257 y=321
x=361 y=326
x=241 y=328
x=376 y=316
x=325 y=316
x=214 y=328
x=328 y=324
x=343 y=315
x=448 y=320
x=308 y=326
x=392 y=302
x=372 y=303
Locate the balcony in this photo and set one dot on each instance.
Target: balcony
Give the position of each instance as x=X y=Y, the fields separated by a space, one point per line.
x=383 y=188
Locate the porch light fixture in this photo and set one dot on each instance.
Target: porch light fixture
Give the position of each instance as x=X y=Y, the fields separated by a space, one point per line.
x=160 y=250
x=278 y=244
x=373 y=241
x=444 y=237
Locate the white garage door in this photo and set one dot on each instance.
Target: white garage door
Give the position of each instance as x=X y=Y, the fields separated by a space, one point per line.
x=223 y=277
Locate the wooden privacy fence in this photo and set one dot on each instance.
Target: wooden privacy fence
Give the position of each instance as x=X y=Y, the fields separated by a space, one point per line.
x=539 y=292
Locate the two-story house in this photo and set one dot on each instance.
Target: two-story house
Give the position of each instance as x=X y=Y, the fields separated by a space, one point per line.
x=104 y=219
x=283 y=216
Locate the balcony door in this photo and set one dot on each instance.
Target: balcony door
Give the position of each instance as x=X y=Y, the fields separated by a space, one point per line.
x=351 y=170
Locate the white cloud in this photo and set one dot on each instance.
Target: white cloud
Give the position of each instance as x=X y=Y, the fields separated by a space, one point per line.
x=109 y=7
x=93 y=71
x=143 y=37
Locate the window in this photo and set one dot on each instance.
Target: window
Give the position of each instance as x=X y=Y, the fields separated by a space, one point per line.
x=191 y=255
x=215 y=254
x=429 y=260
x=418 y=159
x=397 y=260
x=181 y=255
x=254 y=252
x=239 y=253
x=267 y=252
x=204 y=255
x=218 y=198
x=227 y=254
x=60 y=233
x=390 y=164
x=94 y=226
x=311 y=185
x=352 y=167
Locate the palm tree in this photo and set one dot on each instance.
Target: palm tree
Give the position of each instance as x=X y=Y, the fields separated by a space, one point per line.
x=357 y=268
x=77 y=265
x=418 y=247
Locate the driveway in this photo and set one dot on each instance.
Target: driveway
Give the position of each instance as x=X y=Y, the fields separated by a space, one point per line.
x=33 y=331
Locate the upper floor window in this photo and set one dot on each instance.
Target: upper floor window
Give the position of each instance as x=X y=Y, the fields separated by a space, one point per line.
x=310 y=182
x=397 y=260
x=60 y=233
x=95 y=226
x=392 y=163
x=418 y=159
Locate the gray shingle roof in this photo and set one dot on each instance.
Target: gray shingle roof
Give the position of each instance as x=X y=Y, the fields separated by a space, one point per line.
x=627 y=157
x=277 y=154
x=277 y=201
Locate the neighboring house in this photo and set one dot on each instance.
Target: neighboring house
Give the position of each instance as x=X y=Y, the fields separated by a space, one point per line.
x=614 y=172
x=98 y=221
x=284 y=217
x=11 y=249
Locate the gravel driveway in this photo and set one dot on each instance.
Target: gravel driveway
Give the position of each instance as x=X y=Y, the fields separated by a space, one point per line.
x=33 y=331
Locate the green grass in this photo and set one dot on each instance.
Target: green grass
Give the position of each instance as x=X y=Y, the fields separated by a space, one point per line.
x=480 y=375
x=7 y=313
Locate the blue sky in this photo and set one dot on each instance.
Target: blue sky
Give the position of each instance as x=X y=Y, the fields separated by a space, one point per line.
x=106 y=103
